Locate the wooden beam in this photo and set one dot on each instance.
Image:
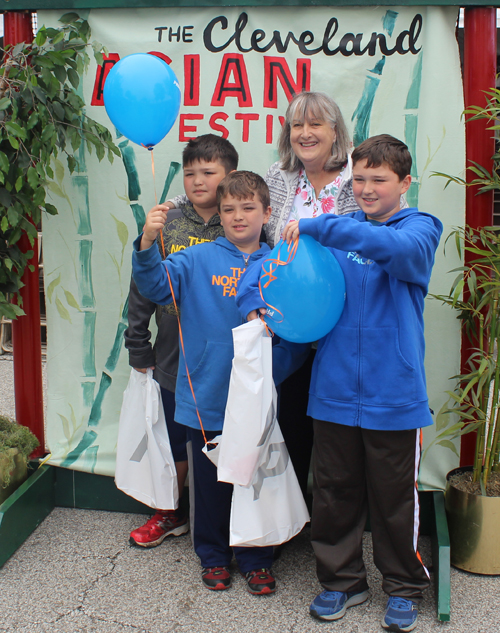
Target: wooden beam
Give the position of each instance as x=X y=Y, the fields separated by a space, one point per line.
x=68 y=5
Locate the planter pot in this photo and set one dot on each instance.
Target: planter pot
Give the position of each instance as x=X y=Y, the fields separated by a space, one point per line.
x=18 y=474
x=473 y=523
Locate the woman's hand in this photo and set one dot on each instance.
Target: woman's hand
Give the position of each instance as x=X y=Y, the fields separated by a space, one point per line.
x=254 y=314
x=155 y=220
x=291 y=232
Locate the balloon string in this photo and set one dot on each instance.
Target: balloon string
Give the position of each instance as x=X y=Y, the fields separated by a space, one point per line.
x=273 y=266
x=181 y=339
x=156 y=198
x=270 y=333
x=292 y=250
x=153 y=170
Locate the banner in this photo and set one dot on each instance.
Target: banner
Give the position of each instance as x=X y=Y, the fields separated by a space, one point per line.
x=391 y=70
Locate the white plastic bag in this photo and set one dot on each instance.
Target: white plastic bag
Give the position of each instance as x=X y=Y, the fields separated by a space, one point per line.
x=251 y=405
x=145 y=467
x=272 y=510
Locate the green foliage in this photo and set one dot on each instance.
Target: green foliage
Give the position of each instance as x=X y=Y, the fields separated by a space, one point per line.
x=474 y=295
x=41 y=116
x=485 y=180
x=14 y=436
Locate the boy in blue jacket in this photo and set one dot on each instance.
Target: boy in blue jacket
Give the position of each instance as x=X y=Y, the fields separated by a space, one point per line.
x=204 y=282
x=368 y=391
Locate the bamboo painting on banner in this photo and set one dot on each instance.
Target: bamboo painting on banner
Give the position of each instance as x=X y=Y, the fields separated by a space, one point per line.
x=391 y=70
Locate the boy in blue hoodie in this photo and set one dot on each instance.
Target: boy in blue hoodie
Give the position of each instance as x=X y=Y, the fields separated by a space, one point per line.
x=368 y=392
x=204 y=282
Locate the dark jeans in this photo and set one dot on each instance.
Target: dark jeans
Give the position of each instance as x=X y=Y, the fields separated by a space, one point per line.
x=176 y=431
x=210 y=502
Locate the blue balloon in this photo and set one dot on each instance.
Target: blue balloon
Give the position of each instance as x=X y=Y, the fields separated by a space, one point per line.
x=305 y=297
x=142 y=98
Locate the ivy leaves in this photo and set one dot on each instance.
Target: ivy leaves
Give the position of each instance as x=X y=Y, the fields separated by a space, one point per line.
x=41 y=116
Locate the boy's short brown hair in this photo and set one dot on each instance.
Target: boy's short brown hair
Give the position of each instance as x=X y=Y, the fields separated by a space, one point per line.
x=243 y=185
x=384 y=148
x=210 y=148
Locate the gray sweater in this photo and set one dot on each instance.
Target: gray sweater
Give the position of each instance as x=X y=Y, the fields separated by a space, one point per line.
x=282 y=187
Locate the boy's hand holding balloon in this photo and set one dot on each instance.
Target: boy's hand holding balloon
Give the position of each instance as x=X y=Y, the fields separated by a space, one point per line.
x=254 y=314
x=155 y=221
x=291 y=231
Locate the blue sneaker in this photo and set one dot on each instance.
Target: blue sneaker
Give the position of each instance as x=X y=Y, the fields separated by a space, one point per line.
x=332 y=605
x=400 y=615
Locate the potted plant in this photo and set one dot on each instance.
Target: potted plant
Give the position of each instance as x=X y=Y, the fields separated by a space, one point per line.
x=17 y=443
x=472 y=495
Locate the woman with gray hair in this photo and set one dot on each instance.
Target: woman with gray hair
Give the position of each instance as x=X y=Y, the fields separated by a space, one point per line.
x=314 y=173
x=313 y=176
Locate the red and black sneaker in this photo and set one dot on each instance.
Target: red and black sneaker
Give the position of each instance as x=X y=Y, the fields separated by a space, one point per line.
x=260 y=582
x=162 y=524
x=216 y=578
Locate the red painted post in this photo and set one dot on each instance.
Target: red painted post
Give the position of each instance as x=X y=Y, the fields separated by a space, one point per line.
x=480 y=59
x=26 y=335
x=17 y=27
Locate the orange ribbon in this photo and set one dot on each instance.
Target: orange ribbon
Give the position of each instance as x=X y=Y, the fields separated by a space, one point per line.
x=181 y=338
x=269 y=275
x=156 y=198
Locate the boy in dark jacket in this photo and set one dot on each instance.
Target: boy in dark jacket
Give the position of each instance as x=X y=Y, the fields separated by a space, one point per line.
x=368 y=392
x=206 y=160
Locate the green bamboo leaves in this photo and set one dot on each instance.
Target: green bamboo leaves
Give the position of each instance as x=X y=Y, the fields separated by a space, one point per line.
x=69 y=297
x=122 y=231
x=474 y=295
x=485 y=180
x=41 y=116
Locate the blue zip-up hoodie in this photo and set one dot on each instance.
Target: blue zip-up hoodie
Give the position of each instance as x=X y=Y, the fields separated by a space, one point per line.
x=369 y=370
x=204 y=281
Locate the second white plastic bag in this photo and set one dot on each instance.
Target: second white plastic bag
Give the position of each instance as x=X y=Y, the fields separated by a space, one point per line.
x=272 y=510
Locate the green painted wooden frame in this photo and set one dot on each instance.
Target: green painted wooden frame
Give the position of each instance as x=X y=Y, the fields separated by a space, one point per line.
x=25 y=509
x=18 y=5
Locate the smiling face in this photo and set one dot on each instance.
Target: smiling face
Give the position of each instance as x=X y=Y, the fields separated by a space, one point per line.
x=378 y=190
x=201 y=179
x=242 y=221
x=311 y=140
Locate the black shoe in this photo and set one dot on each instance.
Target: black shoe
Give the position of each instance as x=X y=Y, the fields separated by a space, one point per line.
x=216 y=578
x=260 y=582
